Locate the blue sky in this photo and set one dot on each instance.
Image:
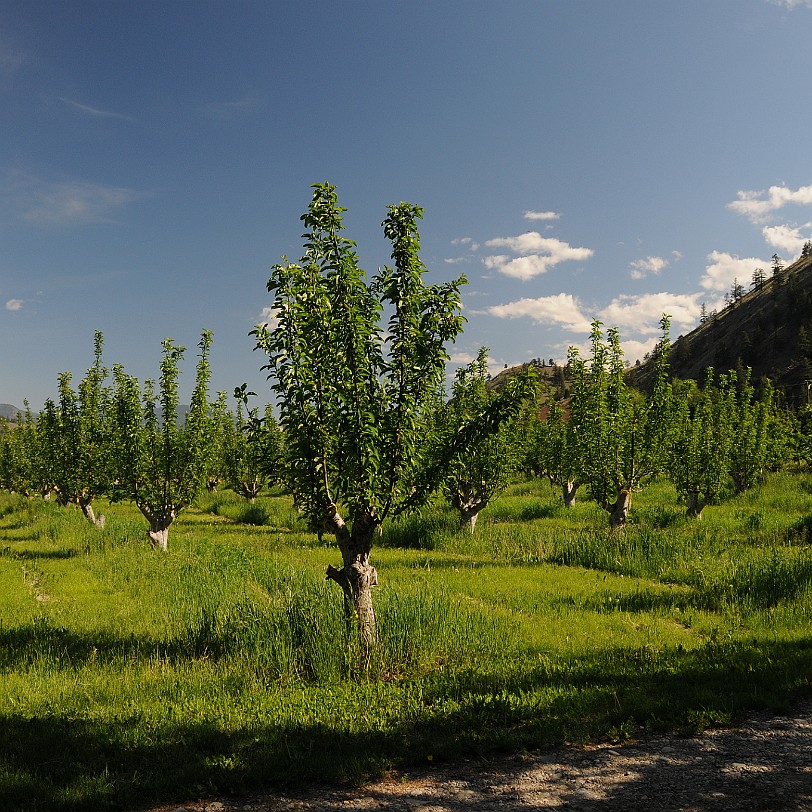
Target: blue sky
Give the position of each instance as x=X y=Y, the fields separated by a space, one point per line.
x=575 y=159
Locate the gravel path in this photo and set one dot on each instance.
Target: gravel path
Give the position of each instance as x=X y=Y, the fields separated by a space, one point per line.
x=765 y=764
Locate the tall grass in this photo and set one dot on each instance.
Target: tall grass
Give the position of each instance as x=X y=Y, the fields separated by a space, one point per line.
x=129 y=676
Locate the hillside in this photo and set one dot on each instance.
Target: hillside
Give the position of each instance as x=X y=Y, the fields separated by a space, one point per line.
x=768 y=329
x=9 y=412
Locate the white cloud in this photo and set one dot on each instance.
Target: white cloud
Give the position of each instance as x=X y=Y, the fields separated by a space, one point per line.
x=268 y=318
x=724 y=269
x=786 y=238
x=791 y=4
x=541 y=215
x=93 y=111
x=14 y=304
x=461 y=240
x=642 y=314
x=641 y=268
x=758 y=206
x=462 y=357
x=65 y=202
x=562 y=309
x=537 y=254
x=454 y=260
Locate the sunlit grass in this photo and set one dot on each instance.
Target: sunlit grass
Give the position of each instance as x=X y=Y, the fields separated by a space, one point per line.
x=128 y=675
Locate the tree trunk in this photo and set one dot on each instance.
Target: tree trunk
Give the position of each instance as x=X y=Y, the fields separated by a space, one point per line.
x=468 y=503
x=357 y=576
x=85 y=503
x=468 y=516
x=159 y=523
x=569 y=489
x=695 y=504
x=250 y=490
x=619 y=510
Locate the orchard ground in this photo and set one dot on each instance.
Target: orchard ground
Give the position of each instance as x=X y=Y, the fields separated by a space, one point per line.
x=132 y=677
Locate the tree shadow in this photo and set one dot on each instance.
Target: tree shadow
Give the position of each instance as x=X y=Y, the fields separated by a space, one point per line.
x=60 y=762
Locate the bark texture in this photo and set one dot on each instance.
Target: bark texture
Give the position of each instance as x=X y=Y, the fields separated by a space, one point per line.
x=159 y=523
x=695 y=504
x=619 y=510
x=568 y=491
x=357 y=576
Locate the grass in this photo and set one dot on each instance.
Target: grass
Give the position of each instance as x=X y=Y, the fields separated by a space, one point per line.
x=129 y=677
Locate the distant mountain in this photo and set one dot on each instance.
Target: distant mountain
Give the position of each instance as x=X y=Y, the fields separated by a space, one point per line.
x=9 y=412
x=768 y=328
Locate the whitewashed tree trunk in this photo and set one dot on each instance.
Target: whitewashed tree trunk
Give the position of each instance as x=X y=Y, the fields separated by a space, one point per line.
x=468 y=504
x=250 y=490
x=159 y=523
x=87 y=509
x=357 y=576
x=568 y=490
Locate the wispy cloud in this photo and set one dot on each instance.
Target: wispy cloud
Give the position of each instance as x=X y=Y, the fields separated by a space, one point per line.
x=641 y=268
x=791 y=4
x=541 y=215
x=229 y=110
x=562 y=309
x=724 y=269
x=533 y=254
x=14 y=304
x=65 y=202
x=94 y=112
x=757 y=206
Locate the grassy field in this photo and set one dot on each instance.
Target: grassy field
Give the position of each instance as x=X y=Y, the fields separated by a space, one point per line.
x=128 y=676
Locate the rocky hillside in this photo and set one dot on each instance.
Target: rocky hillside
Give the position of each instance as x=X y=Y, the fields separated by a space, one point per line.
x=767 y=328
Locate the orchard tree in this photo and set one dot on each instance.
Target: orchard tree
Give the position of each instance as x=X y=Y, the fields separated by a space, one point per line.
x=351 y=388
x=162 y=465
x=481 y=469
x=19 y=452
x=621 y=436
x=751 y=420
x=553 y=449
x=699 y=461
x=251 y=449
x=77 y=429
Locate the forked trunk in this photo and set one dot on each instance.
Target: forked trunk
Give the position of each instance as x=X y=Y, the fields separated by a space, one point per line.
x=619 y=510
x=468 y=517
x=250 y=490
x=695 y=504
x=357 y=576
x=468 y=503
x=568 y=490
x=159 y=523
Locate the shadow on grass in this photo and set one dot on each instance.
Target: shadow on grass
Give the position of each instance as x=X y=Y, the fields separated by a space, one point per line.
x=60 y=763
x=37 y=555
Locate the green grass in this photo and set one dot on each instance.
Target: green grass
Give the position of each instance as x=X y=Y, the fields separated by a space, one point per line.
x=128 y=676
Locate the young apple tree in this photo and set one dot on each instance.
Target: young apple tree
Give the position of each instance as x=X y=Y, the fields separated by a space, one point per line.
x=162 y=465
x=481 y=468
x=351 y=387
x=552 y=448
x=250 y=448
x=622 y=436
x=699 y=460
x=78 y=449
